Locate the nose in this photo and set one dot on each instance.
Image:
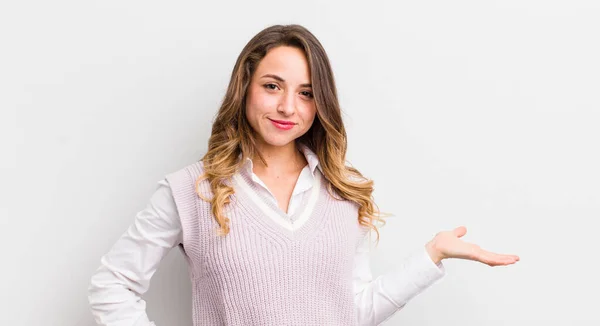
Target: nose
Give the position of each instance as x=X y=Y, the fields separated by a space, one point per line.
x=287 y=105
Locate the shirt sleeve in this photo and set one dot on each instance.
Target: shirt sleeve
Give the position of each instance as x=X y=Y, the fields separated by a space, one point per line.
x=124 y=274
x=379 y=299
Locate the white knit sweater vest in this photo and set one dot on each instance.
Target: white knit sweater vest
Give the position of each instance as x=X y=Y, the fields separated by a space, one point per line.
x=270 y=269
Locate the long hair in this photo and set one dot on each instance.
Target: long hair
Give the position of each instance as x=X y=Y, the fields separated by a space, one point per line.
x=232 y=136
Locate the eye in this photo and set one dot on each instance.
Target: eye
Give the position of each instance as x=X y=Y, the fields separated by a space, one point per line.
x=307 y=94
x=268 y=86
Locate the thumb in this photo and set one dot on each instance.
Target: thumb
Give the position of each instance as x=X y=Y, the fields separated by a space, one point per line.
x=460 y=231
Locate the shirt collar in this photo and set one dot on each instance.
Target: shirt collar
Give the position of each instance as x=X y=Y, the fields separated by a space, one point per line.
x=311 y=158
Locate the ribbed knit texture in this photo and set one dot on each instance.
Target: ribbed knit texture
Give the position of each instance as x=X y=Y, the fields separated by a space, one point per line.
x=268 y=271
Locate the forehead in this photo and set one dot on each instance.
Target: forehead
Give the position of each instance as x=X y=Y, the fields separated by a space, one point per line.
x=287 y=62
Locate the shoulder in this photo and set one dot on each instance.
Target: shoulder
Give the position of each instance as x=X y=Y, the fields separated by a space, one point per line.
x=193 y=170
x=184 y=178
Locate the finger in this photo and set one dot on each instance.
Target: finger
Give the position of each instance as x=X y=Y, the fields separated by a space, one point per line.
x=505 y=256
x=493 y=259
x=460 y=231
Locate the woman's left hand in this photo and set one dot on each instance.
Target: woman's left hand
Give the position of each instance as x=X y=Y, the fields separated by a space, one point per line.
x=446 y=244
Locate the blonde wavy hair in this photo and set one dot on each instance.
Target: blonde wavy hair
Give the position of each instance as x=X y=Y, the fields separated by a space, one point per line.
x=232 y=134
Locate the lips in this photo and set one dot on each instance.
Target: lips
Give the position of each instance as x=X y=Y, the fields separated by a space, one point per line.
x=283 y=122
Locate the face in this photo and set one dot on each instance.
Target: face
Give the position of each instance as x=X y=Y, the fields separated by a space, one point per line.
x=279 y=102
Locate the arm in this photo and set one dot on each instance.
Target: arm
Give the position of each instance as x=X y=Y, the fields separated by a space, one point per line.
x=377 y=300
x=124 y=275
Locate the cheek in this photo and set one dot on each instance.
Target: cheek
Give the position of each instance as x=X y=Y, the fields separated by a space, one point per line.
x=259 y=102
x=309 y=115
x=254 y=108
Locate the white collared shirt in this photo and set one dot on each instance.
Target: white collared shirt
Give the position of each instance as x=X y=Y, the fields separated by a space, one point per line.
x=115 y=290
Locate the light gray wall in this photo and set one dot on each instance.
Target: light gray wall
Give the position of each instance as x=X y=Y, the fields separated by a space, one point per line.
x=476 y=113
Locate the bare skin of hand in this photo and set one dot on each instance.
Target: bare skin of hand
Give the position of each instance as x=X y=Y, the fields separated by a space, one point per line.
x=447 y=244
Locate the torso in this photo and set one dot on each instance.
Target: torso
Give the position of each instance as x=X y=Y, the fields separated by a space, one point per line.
x=247 y=276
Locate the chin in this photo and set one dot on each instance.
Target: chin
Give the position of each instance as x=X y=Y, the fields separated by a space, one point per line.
x=278 y=140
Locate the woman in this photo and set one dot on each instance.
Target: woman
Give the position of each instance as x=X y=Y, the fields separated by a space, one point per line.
x=273 y=224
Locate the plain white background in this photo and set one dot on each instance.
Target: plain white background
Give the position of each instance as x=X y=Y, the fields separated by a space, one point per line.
x=477 y=113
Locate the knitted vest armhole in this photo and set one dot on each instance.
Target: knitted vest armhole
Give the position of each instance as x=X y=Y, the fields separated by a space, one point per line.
x=182 y=184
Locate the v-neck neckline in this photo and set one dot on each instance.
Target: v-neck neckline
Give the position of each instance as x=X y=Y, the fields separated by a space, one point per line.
x=295 y=191
x=266 y=212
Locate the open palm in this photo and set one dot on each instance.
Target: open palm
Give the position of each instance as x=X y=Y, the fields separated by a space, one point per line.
x=447 y=244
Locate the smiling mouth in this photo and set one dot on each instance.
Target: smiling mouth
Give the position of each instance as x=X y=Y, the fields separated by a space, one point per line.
x=282 y=125
x=281 y=122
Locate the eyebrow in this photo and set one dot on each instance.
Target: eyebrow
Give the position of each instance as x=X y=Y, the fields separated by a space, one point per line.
x=283 y=80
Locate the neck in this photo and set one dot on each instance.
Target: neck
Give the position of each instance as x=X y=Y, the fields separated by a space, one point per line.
x=280 y=160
